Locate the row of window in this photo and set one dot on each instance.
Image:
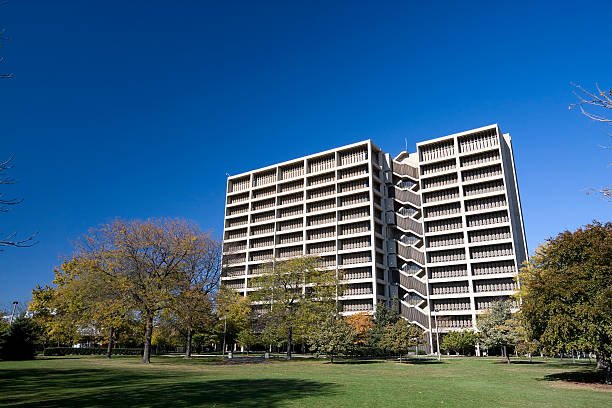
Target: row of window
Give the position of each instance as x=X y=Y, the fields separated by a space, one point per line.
x=479 y=141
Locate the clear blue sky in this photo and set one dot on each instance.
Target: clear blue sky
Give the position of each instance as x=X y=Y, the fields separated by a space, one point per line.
x=137 y=109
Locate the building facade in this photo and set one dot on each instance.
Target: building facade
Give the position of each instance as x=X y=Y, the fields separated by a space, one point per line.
x=440 y=230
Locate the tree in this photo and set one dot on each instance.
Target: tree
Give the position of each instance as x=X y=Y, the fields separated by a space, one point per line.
x=246 y=338
x=600 y=100
x=147 y=261
x=361 y=323
x=400 y=336
x=525 y=344
x=498 y=328
x=233 y=314
x=55 y=321
x=287 y=286
x=198 y=278
x=19 y=340
x=597 y=106
x=459 y=341
x=383 y=316
x=333 y=336
x=3 y=38
x=89 y=296
x=566 y=292
x=5 y=203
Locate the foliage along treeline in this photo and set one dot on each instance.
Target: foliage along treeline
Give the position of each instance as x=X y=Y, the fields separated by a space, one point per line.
x=127 y=275
x=127 y=278
x=155 y=283
x=565 y=302
x=566 y=292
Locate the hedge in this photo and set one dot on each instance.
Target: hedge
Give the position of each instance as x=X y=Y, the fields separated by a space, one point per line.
x=65 y=351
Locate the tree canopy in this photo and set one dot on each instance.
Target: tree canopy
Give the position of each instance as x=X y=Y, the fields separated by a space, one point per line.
x=293 y=290
x=133 y=269
x=498 y=327
x=400 y=337
x=566 y=292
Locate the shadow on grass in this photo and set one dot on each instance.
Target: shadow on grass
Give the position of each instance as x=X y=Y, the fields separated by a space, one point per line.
x=355 y=362
x=593 y=376
x=418 y=361
x=570 y=364
x=57 y=388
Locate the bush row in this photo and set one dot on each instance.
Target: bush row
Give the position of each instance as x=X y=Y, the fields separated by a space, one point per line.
x=65 y=351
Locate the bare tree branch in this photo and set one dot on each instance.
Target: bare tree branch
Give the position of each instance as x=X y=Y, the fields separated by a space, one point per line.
x=11 y=240
x=599 y=100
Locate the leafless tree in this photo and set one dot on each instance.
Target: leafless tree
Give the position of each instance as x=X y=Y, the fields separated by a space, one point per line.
x=597 y=106
x=600 y=100
x=5 y=204
x=3 y=39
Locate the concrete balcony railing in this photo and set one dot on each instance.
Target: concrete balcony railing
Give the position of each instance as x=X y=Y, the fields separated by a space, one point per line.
x=409 y=225
x=407 y=196
x=405 y=170
x=414 y=315
x=412 y=283
x=411 y=254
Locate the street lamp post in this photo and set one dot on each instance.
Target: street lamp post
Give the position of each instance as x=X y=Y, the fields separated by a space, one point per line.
x=15 y=303
x=437 y=337
x=224 y=331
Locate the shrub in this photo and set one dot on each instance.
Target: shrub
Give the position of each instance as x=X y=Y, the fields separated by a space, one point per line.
x=18 y=342
x=89 y=351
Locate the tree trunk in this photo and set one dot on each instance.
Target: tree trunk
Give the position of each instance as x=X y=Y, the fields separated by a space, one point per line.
x=606 y=365
x=289 y=342
x=506 y=354
x=188 y=344
x=400 y=357
x=332 y=358
x=146 y=354
x=109 y=350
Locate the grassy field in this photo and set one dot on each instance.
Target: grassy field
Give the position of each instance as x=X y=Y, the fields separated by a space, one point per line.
x=173 y=382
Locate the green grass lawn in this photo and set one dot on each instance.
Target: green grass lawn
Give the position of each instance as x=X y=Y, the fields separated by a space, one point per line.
x=173 y=382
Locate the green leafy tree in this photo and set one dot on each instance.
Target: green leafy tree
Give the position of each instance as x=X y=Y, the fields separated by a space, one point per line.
x=498 y=328
x=233 y=315
x=19 y=340
x=566 y=289
x=333 y=336
x=400 y=337
x=57 y=324
x=246 y=338
x=89 y=297
x=383 y=317
x=459 y=341
x=289 y=286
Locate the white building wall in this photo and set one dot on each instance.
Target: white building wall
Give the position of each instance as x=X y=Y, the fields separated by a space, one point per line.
x=441 y=228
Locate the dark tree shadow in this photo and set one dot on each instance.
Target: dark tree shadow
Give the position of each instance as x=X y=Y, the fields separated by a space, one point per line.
x=418 y=361
x=355 y=362
x=58 y=388
x=593 y=376
x=525 y=362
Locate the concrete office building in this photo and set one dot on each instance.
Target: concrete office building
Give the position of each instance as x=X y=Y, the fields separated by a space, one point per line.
x=440 y=229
